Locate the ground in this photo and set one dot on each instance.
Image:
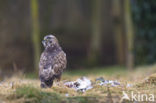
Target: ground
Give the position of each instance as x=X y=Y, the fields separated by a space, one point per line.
x=22 y=88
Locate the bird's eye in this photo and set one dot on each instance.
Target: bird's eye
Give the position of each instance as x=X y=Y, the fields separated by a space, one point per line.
x=50 y=41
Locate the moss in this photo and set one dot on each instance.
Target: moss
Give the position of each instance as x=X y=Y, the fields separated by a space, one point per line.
x=34 y=95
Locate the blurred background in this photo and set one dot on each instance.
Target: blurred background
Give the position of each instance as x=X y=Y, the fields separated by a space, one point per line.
x=93 y=33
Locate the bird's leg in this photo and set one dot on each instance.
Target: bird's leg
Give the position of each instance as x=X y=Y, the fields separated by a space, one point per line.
x=43 y=85
x=58 y=78
x=46 y=83
x=49 y=82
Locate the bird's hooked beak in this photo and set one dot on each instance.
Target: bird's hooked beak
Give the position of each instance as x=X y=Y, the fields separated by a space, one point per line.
x=44 y=42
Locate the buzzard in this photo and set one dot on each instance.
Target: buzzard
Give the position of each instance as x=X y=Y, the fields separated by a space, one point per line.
x=52 y=61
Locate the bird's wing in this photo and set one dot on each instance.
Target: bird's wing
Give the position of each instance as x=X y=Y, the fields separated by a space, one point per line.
x=45 y=62
x=60 y=63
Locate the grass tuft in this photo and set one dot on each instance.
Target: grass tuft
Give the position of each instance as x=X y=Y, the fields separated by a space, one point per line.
x=34 y=95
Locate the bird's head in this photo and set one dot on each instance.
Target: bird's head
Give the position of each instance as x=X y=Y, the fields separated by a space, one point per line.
x=50 y=41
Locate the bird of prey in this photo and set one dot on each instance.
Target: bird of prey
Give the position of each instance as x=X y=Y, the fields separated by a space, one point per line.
x=52 y=61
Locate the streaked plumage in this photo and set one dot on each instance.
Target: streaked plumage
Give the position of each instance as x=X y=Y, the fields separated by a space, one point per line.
x=52 y=61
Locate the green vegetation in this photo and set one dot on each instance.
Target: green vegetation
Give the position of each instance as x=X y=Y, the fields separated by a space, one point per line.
x=144 y=23
x=34 y=95
x=109 y=71
x=97 y=71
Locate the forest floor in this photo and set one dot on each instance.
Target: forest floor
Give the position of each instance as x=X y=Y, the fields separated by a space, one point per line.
x=22 y=88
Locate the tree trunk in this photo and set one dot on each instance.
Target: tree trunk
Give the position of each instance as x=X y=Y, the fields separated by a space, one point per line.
x=35 y=31
x=118 y=31
x=95 y=44
x=129 y=34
